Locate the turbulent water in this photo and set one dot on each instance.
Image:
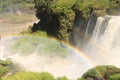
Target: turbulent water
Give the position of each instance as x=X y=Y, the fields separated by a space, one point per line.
x=103 y=48
x=104 y=45
x=33 y=55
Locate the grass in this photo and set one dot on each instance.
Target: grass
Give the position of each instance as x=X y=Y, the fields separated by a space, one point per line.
x=29 y=76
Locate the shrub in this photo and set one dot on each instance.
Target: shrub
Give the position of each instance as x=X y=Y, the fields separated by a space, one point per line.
x=115 y=77
x=101 y=72
x=6 y=67
x=62 y=78
x=29 y=76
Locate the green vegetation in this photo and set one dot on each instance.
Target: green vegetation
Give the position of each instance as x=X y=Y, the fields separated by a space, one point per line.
x=3 y=70
x=29 y=76
x=56 y=19
x=102 y=72
x=115 y=77
x=6 y=67
x=81 y=79
x=37 y=33
x=96 y=73
x=42 y=45
x=114 y=7
x=62 y=78
x=16 y=6
x=58 y=16
x=85 y=7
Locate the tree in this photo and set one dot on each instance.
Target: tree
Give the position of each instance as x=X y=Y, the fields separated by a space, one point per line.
x=62 y=78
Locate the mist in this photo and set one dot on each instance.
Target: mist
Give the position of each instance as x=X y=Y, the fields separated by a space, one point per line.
x=40 y=60
x=104 y=46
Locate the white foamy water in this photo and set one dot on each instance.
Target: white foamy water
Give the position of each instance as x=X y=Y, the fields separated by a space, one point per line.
x=103 y=49
x=72 y=66
x=104 y=46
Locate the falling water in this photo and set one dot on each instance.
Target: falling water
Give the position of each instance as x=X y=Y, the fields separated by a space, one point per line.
x=104 y=45
x=88 y=26
x=44 y=55
x=102 y=48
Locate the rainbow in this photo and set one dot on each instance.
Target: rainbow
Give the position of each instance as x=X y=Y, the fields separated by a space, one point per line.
x=77 y=61
x=74 y=50
x=81 y=54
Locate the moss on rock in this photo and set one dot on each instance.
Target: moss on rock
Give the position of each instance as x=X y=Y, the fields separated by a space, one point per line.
x=102 y=73
x=58 y=16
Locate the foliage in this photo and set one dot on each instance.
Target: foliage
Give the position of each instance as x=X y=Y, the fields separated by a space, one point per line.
x=62 y=78
x=62 y=6
x=87 y=6
x=37 y=33
x=101 y=72
x=57 y=16
x=114 y=7
x=54 y=6
x=115 y=77
x=81 y=79
x=5 y=63
x=14 y=5
x=40 y=33
x=3 y=70
x=97 y=73
x=29 y=76
x=46 y=76
x=42 y=45
x=6 y=67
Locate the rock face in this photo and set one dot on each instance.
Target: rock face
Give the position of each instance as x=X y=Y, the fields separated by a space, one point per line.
x=82 y=27
x=102 y=73
x=56 y=22
x=60 y=18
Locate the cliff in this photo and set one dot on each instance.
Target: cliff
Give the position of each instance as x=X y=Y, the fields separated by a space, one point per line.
x=61 y=18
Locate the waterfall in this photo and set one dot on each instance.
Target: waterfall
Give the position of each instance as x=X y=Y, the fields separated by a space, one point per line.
x=32 y=53
x=88 y=26
x=104 y=45
x=99 y=25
